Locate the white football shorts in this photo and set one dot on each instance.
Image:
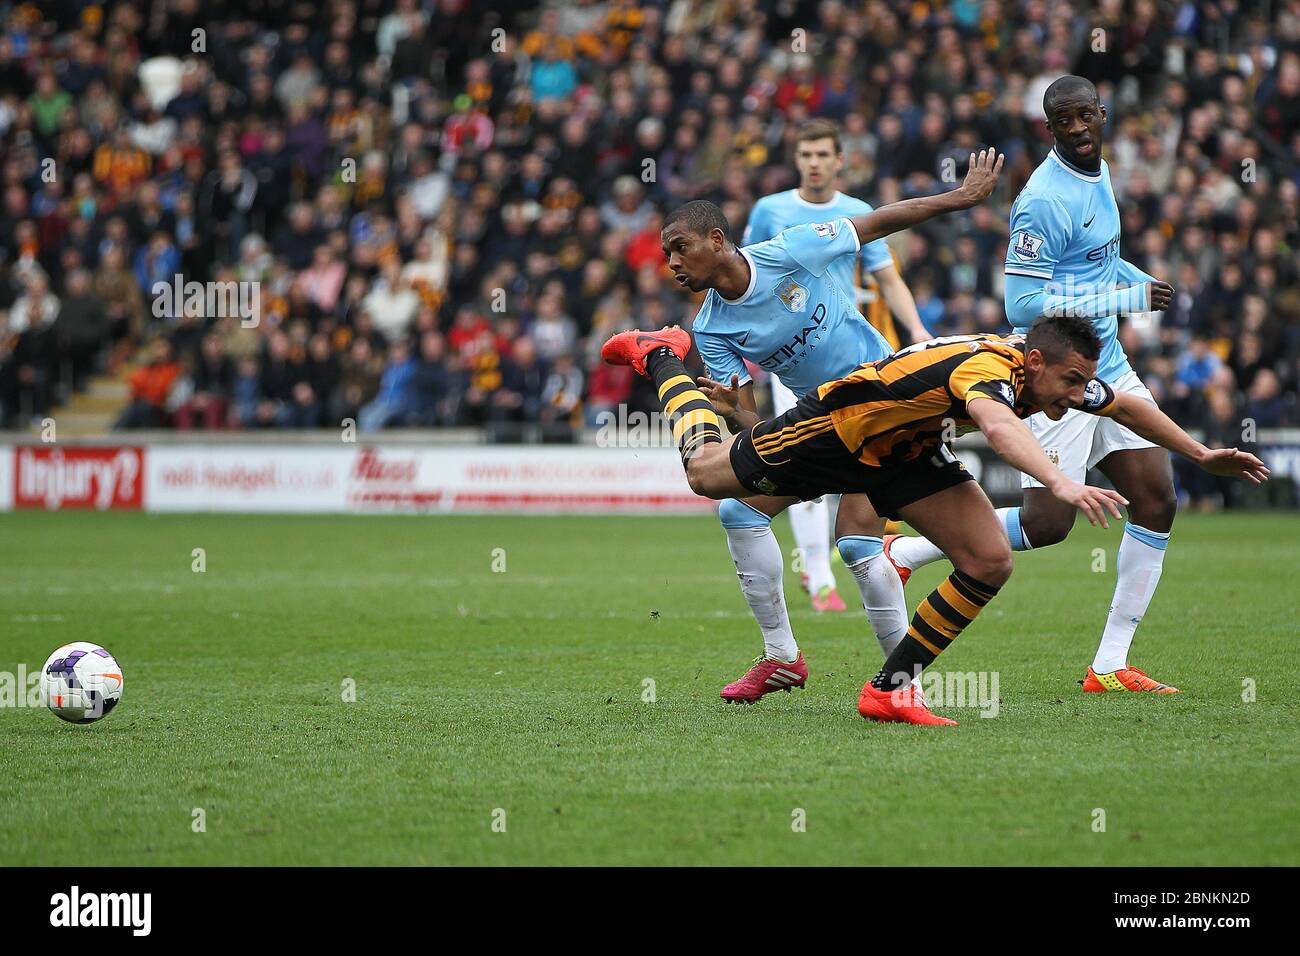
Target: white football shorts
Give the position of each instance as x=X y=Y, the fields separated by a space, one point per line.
x=1079 y=440
x=782 y=398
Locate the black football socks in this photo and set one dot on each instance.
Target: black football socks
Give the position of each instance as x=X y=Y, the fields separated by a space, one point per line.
x=943 y=615
x=690 y=413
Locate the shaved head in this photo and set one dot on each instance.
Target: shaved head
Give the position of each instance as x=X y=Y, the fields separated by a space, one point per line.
x=1068 y=88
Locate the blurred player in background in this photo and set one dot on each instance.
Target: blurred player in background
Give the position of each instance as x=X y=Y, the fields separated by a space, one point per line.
x=1063 y=259
x=819 y=157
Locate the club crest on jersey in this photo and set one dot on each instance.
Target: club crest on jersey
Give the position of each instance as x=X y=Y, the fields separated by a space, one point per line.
x=1027 y=246
x=792 y=295
x=826 y=230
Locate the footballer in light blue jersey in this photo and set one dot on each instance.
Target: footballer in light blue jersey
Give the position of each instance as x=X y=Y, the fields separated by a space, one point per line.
x=818 y=158
x=1065 y=229
x=777 y=304
x=795 y=319
x=1063 y=259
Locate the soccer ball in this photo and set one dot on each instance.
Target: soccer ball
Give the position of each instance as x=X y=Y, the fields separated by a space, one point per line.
x=81 y=682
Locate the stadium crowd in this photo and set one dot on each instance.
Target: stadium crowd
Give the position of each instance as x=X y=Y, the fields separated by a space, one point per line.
x=441 y=212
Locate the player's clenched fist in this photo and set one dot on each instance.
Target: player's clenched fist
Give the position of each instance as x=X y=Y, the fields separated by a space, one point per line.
x=1162 y=293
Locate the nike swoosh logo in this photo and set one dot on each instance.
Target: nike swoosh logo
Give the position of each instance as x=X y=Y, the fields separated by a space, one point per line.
x=1089 y=222
x=743 y=339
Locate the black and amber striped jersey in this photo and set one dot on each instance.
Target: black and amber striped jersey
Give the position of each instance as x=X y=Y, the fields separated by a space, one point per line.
x=893 y=410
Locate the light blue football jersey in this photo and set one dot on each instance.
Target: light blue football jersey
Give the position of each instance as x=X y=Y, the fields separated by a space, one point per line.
x=794 y=320
x=1065 y=228
x=782 y=210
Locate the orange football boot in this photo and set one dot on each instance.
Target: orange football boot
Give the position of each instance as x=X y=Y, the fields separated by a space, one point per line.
x=1124 y=679
x=632 y=347
x=902 y=706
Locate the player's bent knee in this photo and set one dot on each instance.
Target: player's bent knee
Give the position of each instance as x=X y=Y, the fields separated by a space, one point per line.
x=703 y=477
x=854 y=548
x=736 y=514
x=1155 y=509
x=851 y=522
x=1047 y=530
x=991 y=567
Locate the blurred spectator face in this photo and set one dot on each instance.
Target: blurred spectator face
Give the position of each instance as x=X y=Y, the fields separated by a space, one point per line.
x=650 y=134
x=302 y=217
x=16 y=201
x=627 y=193
x=432 y=347
x=114 y=258
x=524 y=352
x=933 y=127
x=78 y=282
x=595 y=274
x=1266 y=386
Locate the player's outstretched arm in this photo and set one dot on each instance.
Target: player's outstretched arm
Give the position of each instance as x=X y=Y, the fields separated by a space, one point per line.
x=981 y=177
x=1145 y=419
x=1013 y=442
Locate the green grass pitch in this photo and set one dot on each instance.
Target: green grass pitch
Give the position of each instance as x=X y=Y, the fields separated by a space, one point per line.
x=522 y=690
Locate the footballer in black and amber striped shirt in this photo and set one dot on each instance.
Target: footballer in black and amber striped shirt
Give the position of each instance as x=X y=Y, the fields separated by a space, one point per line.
x=880 y=430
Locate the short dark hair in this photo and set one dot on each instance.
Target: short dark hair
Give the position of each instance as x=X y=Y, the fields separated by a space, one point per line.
x=1066 y=86
x=1056 y=336
x=701 y=217
x=819 y=128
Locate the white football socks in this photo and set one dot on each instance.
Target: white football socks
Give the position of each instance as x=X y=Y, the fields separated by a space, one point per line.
x=811 y=523
x=1138 y=567
x=759 y=566
x=881 y=589
x=882 y=599
x=912 y=552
